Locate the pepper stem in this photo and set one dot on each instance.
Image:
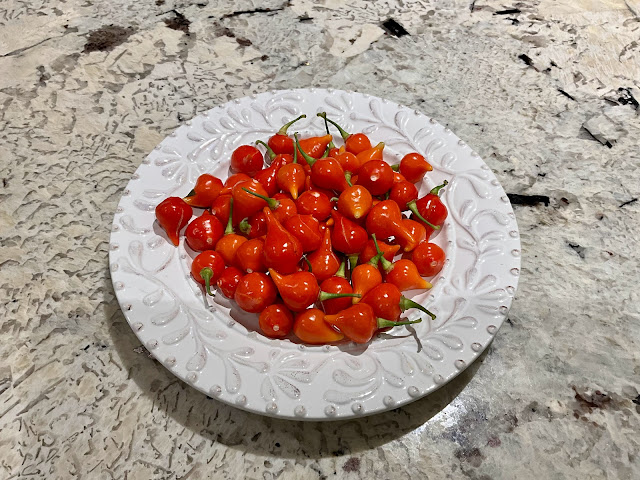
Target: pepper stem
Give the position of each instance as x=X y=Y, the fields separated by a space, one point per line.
x=374 y=260
x=326 y=152
x=347 y=177
x=206 y=273
x=285 y=127
x=308 y=264
x=414 y=208
x=436 y=190
x=342 y=270
x=229 y=228
x=334 y=199
x=244 y=226
x=353 y=261
x=386 y=264
x=395 y=167
x=190 y=194
x=343 y=133
x=270 y=152
x=309 y=159
x=295 y=155
x=323 y=296
x=383 y=322
x=406 y=304
x=272 y=202
x=326 y=126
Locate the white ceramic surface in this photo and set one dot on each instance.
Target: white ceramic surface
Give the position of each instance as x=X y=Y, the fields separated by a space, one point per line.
x=218 y=350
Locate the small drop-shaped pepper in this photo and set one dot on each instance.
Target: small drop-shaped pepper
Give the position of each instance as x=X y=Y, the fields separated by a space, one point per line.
x=173 y=214
x=281 y=142
x=388 y=302
x=323 y=262
x=337 y=284
x=205 y=191
x=310 y=327
x=385 y=220
x=282 y=250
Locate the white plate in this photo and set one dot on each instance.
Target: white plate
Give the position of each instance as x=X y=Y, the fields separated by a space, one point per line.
x=219 y=352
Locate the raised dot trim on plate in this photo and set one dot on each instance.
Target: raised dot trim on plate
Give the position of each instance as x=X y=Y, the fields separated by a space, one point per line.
x=151 y=344
x=413 y=391
x=492 y=329
x=388 y=401
x=460 y=364
x=241 y=400
x=171 y=361
x=215 y=390
x=476 y=347
x=357 y=408
x=330 y=411
x=438 y=379
x=300 y=411
x=272 y=407
x=192 y=377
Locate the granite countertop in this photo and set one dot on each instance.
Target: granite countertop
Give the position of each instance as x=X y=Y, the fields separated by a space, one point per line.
x=546 y=91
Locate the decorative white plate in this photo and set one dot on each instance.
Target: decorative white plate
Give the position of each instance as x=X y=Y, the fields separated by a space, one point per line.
x=220 y=352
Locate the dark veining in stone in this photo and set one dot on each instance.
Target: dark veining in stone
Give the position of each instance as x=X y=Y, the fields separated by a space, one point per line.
x=178 y=22
x=508 y=12
x=579 y=249
x=352 y=465
x=518 y=199
x=628 y=202
x=107 y=38
x=526 y=59
x=250 y=12
x=394 y=28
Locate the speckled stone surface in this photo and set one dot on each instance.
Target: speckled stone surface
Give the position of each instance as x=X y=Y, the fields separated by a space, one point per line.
x=546 y=91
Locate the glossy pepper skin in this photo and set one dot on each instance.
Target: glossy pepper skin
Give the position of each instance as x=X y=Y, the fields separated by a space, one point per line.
x=373 y=153
x=370 y=251
x=203 y=233
x=387 y=301
x=299 y=290
x=355 y=202
x=247 y=159
x=229 y=280
x=255 y=226
x=354 y=143
x=337 y=284
x=205 y=191
x=376 y=176
x=206 y=269
x=314 y=203
x=291 y=177
x=325 y=173
x=310 y=327
x=229 y=243
x=255 y=292
x=428 y=257
x=358 y=323
x=282 y=250
x=281 y=142
x=403 y=273
x=220 y=207
x=306 y=229
x=276 y=321
x=247 y=199
x=173 y=214
x=385 y=220
x=365 y=277
x=417 y=230
x=232 y=181
x=413 y=166
x=268 y=178
x=250 y=256
x=314 y=147
x=430 y=209
x=282 y=206
x=347 y=236
x=323 y=261
x=402 y=193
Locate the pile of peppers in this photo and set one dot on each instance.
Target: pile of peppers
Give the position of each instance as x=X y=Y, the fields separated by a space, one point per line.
x=321 y=242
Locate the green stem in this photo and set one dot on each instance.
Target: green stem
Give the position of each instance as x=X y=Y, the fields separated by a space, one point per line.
x=383 y=322
x=343 y=133
x=395 y=167
x=436 y=190
x=190 y=194
x=353 y=261
x=386 y=264
x=334 y=199
x=295 y=155
x=285 y=127
x=206 y=273
x=310 y=160
x=342 y=270
x=229 y=228
x=308 y=264
x=270 y=152
x=326 y=152
x=414 y=208
x=326 y=126
x=374 y=260
x=347 y=177
x=272 y=202
x=244 y=226
x=322 y=296
x=406 y=304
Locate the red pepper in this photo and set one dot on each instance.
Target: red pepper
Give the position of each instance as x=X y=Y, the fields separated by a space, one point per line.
x=417 y=230
x=205 y=191
x=310 y=327
x=354 y=143
x=413 y=166
x=323 y=262
x=250 y=256
x=229 y=280
x=388 y=302
x=428 y=257
x=402 y=193
x=430 y=209
x=220 y=207
x=268 y=179
x=173 y=214
x=370 y=251
x=232 y=181
x=299 y=290
x=306 y=229
x=282 y=250
x=245 y=200
x=203 y=233
x=376 y=176
x=337 y=284
x=355 y=202
x=359 y=323
x=366 y=276
x=292 y=177
x=385 y=220
x=281 y=142
x=403 y=273
x=230 y=241
x=348 y=237
x=282 y=206
x=325 y=173
x=374 y=153
x=206 y=269
x=255 y=292
x=255 y=226
x=314 y=147
x=314 y=203
x=276 y=321
x=247 y=159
